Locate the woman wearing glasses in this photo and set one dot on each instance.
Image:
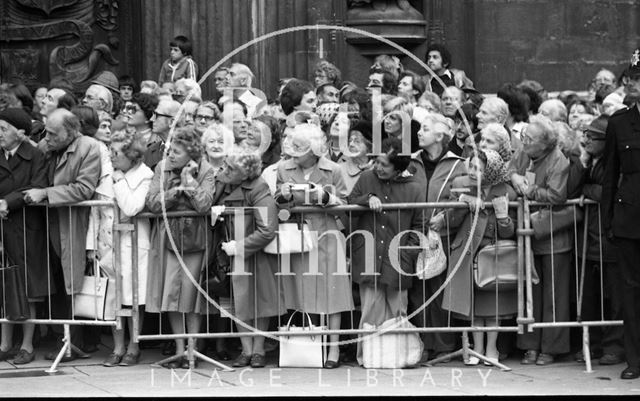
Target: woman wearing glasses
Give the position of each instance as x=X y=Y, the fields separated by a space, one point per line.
x=206 y=114
x=138 y=114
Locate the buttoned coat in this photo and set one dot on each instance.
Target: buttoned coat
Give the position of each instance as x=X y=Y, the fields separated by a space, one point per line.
x=327 y=292
x=621 y=188
x=384 y=227
x=255 y=295
x=74 y=176
x=459 y=294
x=23 y=231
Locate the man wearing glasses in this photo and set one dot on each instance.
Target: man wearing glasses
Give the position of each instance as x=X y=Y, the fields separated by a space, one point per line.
x=606 y=340
x=162 y=119
x=621 y=209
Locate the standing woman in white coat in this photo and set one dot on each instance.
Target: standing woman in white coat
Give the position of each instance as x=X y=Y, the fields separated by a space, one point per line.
x=131 y=181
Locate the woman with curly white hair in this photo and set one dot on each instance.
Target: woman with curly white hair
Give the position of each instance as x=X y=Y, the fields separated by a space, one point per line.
x=217 y=141
x=255 y=296
x=308 y=177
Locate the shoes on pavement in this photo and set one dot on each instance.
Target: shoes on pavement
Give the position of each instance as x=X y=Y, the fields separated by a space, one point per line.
x=530 y=357
x=630 y=373
x=6 y=355
x=544 y=359
x=473 y=361
x=241 y=361
x=130 y=359
x=611 y=359
x=332 y=364
x=258 y=361
x=23 y=357
x=50 y=356
x=112 y=360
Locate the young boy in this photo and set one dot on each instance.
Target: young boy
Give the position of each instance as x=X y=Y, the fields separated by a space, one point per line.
x=179 y=64
x=127 y=87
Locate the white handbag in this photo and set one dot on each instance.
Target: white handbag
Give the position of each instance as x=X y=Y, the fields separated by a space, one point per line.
x=97 y=298
x=302 y=351
x=432 y=261
x=291 y=239
x=391 y=350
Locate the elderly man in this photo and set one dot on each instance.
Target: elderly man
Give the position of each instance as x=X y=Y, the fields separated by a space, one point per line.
x=73 y=173
x=98 y=98
x=496 y=110
x=21 y=167
x=162 y=118
x=239 y=77
x=452 y=99
x=621 y=209
x=54 y=99
x=554 y=110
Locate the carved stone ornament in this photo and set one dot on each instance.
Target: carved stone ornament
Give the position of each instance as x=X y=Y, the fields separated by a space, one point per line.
x=47 y=5
x=396 y=20
x=107 y=14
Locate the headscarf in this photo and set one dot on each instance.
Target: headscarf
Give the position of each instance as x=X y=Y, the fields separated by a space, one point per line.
x=495 y=171
x=505 y=151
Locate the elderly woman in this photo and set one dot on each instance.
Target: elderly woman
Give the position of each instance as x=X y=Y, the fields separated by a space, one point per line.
x=576 y=109
x=352 y=165
x=430 y=102
x=327 y=293
x=539 y=172
x=131 y=181
x=185 y=181
x=385 y=296
x=495 y=137
x=483 y=308
x=255 y=296
x=327 y=73
x=569 y=145
x=440 y=167
x=217 y=141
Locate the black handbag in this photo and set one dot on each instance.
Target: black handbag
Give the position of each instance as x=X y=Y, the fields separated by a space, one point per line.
x=217 y=280
x=13 y=292
x=188 y=234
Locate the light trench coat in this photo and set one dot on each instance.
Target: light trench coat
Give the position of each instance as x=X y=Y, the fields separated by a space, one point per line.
x=130 y=194
x=327 y=292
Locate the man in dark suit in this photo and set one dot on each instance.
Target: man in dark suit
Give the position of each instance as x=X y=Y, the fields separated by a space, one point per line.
x=21 y=167
x=621 y=208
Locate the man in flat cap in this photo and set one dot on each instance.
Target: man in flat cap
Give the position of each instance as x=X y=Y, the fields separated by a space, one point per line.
x=21 y=168
x=621 y=208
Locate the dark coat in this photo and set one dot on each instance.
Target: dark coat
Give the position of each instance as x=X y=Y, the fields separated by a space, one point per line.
x=25 y=228
x=459 y=293
x=259 y=291
x=621 y=188
x=384 y=227
x=592 y=189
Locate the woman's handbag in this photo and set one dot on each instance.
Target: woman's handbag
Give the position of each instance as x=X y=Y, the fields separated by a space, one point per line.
x=291 y=239
x=496 y=266
x=218 y=283
x=431 y=261
x=97 y=298
x=188 y=233
x=563 y=219
x=302 y=351
x=391 y=350
x=13 y=292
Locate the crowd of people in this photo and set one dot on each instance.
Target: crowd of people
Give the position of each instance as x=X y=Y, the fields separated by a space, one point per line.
x=163 y=146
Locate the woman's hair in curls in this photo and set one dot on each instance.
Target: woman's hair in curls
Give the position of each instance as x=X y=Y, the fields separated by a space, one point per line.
x=132 y=148
x=249 y=162
x=190 y=141
x=393 y=147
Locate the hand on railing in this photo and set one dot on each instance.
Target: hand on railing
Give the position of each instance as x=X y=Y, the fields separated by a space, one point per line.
x=501 y=207
x=4 y=209
x=375 y=203
x=437 y=222
x=475 y=204
x=229 y=248
x=35 y=195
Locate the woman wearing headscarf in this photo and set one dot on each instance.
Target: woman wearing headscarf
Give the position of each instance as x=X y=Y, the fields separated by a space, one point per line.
x=484 y=308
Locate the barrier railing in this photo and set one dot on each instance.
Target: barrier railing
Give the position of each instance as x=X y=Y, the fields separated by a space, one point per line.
x=525 y=321
x=41 y=218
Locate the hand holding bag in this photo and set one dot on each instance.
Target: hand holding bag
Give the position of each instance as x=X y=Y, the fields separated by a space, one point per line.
x=302 y=351
x=13 y=292
x=291 y=239
x=97 y=298
x=391 y=350
x=432 y=261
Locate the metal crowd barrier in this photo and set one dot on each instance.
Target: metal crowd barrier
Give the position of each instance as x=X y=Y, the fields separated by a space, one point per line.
x=52 y=297
x=524 y=322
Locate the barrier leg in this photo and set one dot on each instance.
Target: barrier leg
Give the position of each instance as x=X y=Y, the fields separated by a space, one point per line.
x=67 y=348
x=191 y=353
x=586 y=348
x=465 y=352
